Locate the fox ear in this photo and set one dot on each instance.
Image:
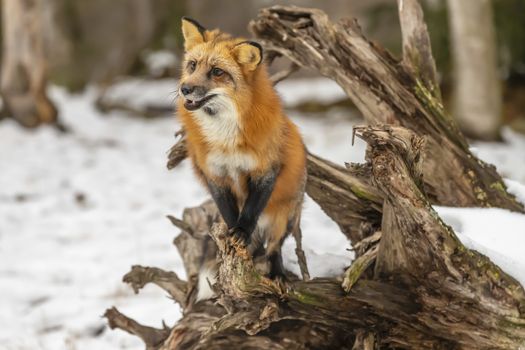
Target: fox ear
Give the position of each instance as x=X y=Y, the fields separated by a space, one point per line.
x=248 y=54
x=193 y=33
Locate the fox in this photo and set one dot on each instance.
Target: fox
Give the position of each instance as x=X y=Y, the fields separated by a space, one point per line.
x=244 y=149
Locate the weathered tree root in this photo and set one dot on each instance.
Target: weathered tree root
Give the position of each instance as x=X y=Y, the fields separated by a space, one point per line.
x=429 y=291
x=178 y=152
x=299 y=252
x=389 y=92
x=460 y=291
x=139 y=276
x=152 y=337
x=358 y=267
x=345 y=195
x=413 y=284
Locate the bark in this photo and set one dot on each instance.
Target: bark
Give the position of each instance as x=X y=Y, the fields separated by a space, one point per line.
x=417 y=51
x=386 y=91
x=345 y=195
x=152 y=337
x=24 y=66
x=139 y=276
x=477 y=97
x=427 y=291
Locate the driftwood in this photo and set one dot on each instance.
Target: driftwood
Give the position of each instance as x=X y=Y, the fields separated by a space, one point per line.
x=24 y=66
x=413 y=285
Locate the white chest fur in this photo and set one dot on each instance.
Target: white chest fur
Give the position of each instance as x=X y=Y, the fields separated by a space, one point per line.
x=222 y=128
x=230 y=164
x=221 y=131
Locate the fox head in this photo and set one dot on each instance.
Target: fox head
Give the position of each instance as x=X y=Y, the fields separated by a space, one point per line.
x=218 y=70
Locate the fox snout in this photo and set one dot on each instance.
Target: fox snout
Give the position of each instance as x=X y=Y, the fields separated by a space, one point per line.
x=194 y=91
x=195 y=96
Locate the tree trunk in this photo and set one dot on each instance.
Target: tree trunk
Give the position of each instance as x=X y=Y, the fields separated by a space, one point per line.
x=477 y=95
x=24 y=66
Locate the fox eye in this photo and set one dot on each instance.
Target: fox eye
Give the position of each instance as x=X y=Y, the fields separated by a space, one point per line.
x=191 y=66
x=217 y=72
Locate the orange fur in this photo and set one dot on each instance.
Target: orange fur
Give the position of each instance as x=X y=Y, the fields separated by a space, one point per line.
x=264 y=133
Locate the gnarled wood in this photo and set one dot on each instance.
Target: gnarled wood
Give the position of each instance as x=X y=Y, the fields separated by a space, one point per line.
x=429 y=291
x=413 y=285
x=345 y=195
x=387 y=92
x=417 y=51
x=139 y=276
x=152 y=337
x=419 y=250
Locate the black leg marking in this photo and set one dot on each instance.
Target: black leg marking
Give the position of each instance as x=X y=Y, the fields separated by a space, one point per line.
x=259 y=192
x=276 y=266
x=226 y=203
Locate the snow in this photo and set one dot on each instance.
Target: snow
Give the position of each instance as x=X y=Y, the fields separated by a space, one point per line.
x=508 y=156
x=517 y=189
x=62 y=258
x=296 y=91
x=140 y=93
x=160 y=61
x=496 y=233
x=78 y=209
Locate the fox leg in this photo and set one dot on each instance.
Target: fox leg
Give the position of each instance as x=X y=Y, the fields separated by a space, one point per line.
x=277 y=232
x=259 y=192
x=223 y=197
x=226 y=203
x=276 y=265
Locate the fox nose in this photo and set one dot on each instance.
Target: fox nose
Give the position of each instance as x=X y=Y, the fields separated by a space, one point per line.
x=186 y=89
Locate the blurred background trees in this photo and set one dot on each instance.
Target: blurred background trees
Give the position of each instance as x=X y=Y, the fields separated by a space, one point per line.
x=479 y=50
x=24 y=63
x=476 y=102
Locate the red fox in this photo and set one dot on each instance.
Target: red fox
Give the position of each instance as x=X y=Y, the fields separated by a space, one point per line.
x=248 y=154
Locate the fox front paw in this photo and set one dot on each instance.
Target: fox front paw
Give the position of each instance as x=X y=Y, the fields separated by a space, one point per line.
x=240 y=236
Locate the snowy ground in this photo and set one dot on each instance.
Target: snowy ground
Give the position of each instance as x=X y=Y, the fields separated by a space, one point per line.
x=77 y=210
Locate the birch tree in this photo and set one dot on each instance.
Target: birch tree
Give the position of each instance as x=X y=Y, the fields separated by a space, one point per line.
x=24 y=66
x=477 y=93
